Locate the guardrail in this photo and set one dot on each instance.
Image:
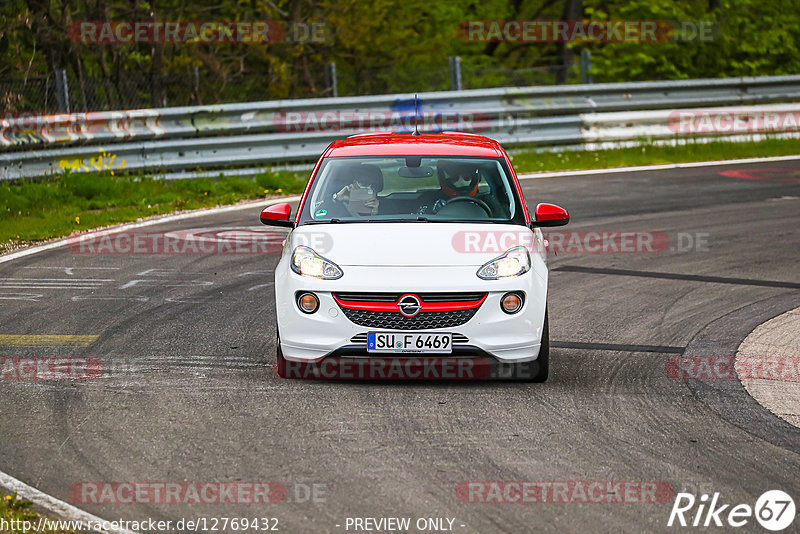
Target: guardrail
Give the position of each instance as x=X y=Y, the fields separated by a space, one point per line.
x=207 y=137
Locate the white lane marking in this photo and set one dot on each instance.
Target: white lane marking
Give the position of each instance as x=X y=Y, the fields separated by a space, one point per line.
x=32 y=283
x=158 y=220
x=58 y=507
x=70 y=270
x=168 y=272
x=51 y=284
x=132 y=283
x=66 y=280
x=20 y=296
x=255 y=272
x=57 y=267
x=261 y=285
x=187 y=300
x=666 y=166
x=98 y=297
x=47 y=287
x=189 y=283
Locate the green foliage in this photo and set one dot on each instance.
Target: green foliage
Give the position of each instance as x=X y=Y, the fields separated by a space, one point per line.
x=16 y=510
x=35 y=210
x=387 y=45
x=750 y=38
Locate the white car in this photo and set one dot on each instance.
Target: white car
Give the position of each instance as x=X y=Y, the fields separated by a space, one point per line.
x=412 y=255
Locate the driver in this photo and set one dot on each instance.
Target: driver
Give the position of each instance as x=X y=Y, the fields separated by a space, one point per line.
x=456 y=179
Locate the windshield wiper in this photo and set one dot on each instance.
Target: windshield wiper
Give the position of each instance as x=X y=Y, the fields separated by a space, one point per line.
x=418 y=219
x=326 y=221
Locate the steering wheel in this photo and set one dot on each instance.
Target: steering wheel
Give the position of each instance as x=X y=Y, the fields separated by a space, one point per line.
x=474 y=200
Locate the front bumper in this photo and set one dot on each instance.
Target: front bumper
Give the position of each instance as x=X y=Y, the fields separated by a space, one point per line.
x=354 y=363
x=492 y=332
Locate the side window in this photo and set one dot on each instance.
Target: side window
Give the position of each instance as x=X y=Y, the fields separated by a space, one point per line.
x=492 y=191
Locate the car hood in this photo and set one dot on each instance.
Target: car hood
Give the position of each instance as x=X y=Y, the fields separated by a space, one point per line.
x=394 y=244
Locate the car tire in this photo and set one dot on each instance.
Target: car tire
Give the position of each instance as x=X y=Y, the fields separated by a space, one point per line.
x=280 y=362
x=544 y=353
x=538 y=369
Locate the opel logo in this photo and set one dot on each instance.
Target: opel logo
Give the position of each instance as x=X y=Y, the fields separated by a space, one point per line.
x=409 y=305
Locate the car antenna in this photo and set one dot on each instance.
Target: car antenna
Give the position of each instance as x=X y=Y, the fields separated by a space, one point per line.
x=416 y=115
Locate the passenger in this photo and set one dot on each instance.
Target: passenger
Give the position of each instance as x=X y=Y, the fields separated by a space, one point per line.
x=361 y=195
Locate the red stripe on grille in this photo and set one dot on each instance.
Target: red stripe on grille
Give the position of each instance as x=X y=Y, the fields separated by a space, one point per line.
x=426 y=306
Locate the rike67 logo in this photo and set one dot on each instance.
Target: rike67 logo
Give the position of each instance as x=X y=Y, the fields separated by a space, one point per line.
x=774 y=510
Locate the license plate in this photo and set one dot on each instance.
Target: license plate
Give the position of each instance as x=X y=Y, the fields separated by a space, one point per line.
x=405 y=342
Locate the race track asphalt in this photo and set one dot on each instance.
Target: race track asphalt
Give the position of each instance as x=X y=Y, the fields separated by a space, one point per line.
x=187 y=343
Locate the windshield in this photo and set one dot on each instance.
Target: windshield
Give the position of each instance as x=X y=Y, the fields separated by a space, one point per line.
x=412 y=188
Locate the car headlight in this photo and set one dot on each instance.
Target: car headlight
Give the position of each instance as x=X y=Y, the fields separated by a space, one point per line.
x=306 y=262
x=515 y=262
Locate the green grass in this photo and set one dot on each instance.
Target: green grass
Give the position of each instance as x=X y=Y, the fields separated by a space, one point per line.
x=32 y=211
x=15 y=511
x=527 y=160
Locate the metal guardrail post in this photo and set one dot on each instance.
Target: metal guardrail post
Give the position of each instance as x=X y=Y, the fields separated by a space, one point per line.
x=62 y=91
x=196 y=85
x=455 y=73
x=330 y=79
x=586 y=66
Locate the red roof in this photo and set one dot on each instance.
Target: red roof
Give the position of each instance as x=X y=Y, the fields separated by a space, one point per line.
x=426 y=144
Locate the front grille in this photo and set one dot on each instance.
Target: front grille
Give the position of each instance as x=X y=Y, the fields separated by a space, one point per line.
x=458 y=339
x=394 y=297
x=396 y=321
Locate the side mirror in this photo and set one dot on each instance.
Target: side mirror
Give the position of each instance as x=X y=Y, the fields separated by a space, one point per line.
x=549 y=215
x=277 y=215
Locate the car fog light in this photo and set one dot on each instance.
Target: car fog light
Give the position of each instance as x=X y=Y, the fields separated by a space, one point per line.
x=512 y=302
x=308 y=302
